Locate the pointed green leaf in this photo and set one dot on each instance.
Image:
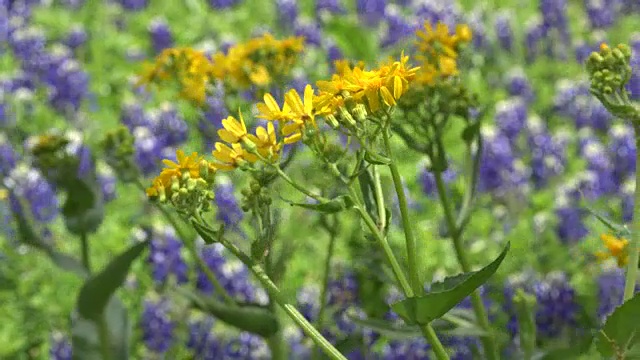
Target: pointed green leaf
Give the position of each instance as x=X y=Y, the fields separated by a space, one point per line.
x=620 y=332
x=99 y=288
x=83 y=210
x=248 y=317
x=445 y=295
x=85 y=338
x=367 y=190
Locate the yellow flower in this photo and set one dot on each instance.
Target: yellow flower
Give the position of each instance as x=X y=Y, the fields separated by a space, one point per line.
x=186 y=164
x=303 y=114
x=4 y=194
x=270 y=110
x=234 y=130
x=232 y=157
x=266 y=142
x=616 y=248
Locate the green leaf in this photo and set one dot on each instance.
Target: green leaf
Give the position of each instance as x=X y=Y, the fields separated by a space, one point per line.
x=335 y=205
x=368 y=191
x=356 y=42
x=445 y=295
x=618 y=229
x=376 y=159
x=620 y=332
x=83 y=210
x=85 y=338
x=248 y=317
x=99 y=288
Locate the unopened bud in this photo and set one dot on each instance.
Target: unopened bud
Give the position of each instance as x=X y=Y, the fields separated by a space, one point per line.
x=360 y=112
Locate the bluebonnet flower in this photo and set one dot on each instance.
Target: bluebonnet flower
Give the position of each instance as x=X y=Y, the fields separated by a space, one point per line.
x=211 y=119
x=428 y=181
x=533 y=35
x=447 y=12
x=602 y=13
x=76 y=37
x=622 y=149
x=232 y=275
x=566 y=94
x=202 y=341
x=399 y=26
x=60 y=347
x=165 y=256
x=499 y=171
x=548 y=157
x=287 y=12
x=504 y=31
x=476 y=22
x=308 y=301
x=610 y=292
x=298 y=347
x=161 y=37
x=557 y=307
x=29 y=184
x=571 y=216
x=326 y=7
x=511 y=117
x=416 y=348
x=8 y=156
x=371 y=12
x=519 y=85
x=228 y=209
x=107 y=180
x=343 y=290
x=555 y=24
x=633 y=86
x=582 y=51
x=28 y=46
x=171 y=127
x=246 y=346
x=310 y=30
x=628 y=191
x=223 y=4
x=68 y=83
x=601 y=167
x=157 y=326
x=591 y=113
x=133 y=115
x=147 y=147
x=133 y=5
x=333 y=53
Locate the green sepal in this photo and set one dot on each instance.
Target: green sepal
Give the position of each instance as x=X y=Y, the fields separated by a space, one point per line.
x=253 y=318
x=443 y=296
x=99 y=288
x=620 y=332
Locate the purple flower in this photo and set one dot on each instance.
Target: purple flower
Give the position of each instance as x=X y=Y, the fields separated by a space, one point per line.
x=399 y=26
x=499 y=171
x=165 y=256
x=371 y=12
x=29 y=184
x=161 y=37
x=147 y=147
x=343 y=290
x=133 y=5
x=171 y=127
x=622 y=150
x=76 y=37
x=534 y=34
x=202 y=341
x=308 y=301
x=570 y=227
x=548 y=156
x=427 y=179
x=519 y=85
x=60 y=347
x=8 y=156
x=211 y=119
x=600 y=166
x=107 y=180
x=246 y=346
x=310 y=30
x=628 y=193
x=157 y=326
x=633 y=86
x=602 y=13
x=503 y=29
x=511 y=116
x=287 y=12
x=324 y=7
x=333 y=53
x=228 y=209
x=222 y=4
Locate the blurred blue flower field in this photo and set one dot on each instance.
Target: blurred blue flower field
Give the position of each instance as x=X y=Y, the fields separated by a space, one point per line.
x=117 y=243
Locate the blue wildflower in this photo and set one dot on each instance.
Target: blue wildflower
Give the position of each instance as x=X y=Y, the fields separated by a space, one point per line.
x=228 y=209
x=60 y=347
x=107 y=180
x=428 y=181
x=161 y=36
x=202 y=341
x=29 y=184
x=287 y=12
x=133 y=5
x=308 y=301
x=165 y=256
x=622 y=149
x=157 y=326
x=76 y=37
x=246 y=346
x=548 y=156
x=511 y=116
x=519 y=85
x=310 y=30
x=504 y=31
x=370 y=12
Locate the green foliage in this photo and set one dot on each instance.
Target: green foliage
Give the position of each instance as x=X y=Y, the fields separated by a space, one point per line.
x=443 y=296
x=248 y=317
x=620 y=332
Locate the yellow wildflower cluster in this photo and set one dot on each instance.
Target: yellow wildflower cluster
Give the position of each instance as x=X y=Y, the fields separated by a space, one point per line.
x=258 y=61
x=192 y=165
x=438 y=51
x=189 y=68
x=372 y=88
x=616 y=248
x=243 y=147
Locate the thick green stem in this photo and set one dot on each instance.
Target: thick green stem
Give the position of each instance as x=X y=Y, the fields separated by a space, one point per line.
x=382 y=212
x=410 y=241
x=476 y=300
x=428 y=331
x=277 y=346
x=105 y=342
x=86 y=258
x=634 y=255
x=275 y=294
x=325 y=284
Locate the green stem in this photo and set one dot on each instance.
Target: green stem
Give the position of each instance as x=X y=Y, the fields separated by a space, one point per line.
x=86 y=259
x=634 y=255
x=190 y=244
x=395 y=266
x=325 y=284
x=432 y=338
x=476 y=301
x=298 y=187
x=382 y=212
x=412 y=254
x=103 y=333
x=276 y=295
x=277 y=347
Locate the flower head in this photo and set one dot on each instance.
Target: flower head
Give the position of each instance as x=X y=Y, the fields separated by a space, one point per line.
x=234 y=130
x=616 y=248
